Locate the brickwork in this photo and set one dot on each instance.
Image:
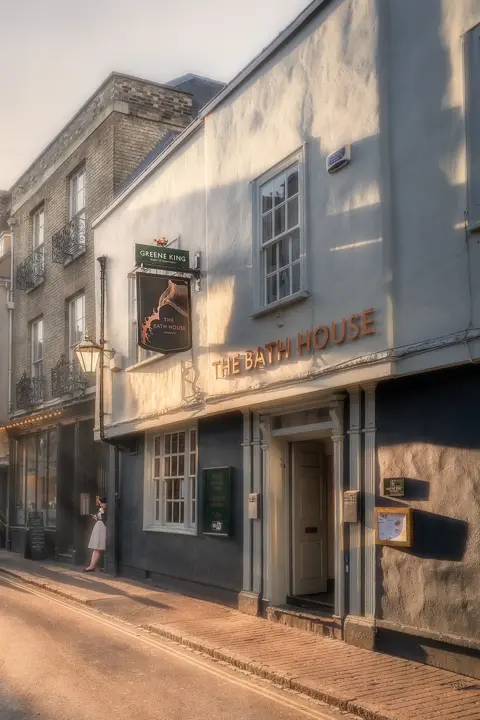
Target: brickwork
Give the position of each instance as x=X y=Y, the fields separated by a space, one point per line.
x=109 y=154
x=150 y=100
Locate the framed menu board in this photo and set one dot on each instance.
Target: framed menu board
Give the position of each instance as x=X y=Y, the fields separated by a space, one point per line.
x=217 y=501
x=394 y=526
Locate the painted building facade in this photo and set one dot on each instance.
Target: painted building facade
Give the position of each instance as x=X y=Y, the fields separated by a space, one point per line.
x=330 y=308
x=56 y=467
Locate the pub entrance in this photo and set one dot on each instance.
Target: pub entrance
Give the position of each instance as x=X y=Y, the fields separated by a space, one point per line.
x=312 y=576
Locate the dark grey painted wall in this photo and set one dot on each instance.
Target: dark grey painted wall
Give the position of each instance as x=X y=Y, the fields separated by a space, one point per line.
x=199 y=559
x=428 y=432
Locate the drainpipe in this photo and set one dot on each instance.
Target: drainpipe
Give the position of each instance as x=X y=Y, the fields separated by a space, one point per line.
x=10 y=304
x=102 y=260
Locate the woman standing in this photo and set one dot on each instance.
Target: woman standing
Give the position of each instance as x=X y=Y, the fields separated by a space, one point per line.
x=98 y=538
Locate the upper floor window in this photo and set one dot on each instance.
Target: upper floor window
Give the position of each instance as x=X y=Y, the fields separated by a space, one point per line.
x=280 y=233
x=171 y=477
x=76 y=330
x=37 y=360
x=77 y=206
x=38 y=236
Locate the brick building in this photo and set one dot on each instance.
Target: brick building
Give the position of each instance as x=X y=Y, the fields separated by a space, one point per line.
x=56 y=468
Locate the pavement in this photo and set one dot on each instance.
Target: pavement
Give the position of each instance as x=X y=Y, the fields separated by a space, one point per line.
x=367 y=684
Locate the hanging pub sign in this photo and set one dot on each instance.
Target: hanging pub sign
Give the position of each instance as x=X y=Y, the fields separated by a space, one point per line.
x=163 y=258
x=163 y=313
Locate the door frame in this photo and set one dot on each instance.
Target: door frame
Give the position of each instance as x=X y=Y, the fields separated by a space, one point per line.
x=291 y=501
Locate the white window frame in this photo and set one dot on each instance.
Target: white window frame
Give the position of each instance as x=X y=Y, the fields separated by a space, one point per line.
x=78 y=213
x=38 y=239
x=259 y=250
x=72 y=318
x=155 y=484
x=37 y=369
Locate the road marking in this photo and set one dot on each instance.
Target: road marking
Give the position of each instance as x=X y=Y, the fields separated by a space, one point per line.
x=160 y=644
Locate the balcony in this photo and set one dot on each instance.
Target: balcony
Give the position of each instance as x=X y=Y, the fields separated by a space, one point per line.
x=67 y=378
x=70 y=241
x=29 y=391
x=31 y=271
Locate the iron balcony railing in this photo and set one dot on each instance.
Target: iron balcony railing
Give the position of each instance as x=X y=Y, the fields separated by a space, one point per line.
x=31 y=271
x=70 y=241
x=29 y=391
x=67 y=378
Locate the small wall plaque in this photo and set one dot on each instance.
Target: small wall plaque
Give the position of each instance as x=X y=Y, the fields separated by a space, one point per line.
x=394 y=526
x=351 y=506
x=394 y=487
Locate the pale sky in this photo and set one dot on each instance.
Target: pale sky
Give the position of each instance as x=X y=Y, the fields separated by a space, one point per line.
x=55 y=53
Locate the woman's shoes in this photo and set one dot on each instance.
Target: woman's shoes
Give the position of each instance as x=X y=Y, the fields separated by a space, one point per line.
x=88 y=570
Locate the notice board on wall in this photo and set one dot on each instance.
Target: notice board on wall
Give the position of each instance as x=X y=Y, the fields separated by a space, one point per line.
x=217 y=501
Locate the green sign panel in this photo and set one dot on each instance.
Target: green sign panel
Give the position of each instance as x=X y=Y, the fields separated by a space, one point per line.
x=394 y=487
x=217 y=501
x=163 y=258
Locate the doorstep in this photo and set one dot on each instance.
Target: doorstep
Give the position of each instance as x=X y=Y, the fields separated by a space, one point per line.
x=314 y=621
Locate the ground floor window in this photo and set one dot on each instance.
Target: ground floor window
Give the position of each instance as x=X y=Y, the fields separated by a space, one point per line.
x=171 y=477
x=36 y=477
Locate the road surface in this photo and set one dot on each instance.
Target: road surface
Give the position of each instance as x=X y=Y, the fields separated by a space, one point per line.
x=61 y=661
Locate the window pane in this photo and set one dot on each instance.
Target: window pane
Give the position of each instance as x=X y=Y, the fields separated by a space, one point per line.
x=279 y=190
x=31 y=472
x=181 y=442
x=295 y=245
x=284 y=283
x=181 y=464
x=176 y=489
x=167 y=444
x=267 y=227
x=192 y=464
x=157 y=445
x=176 y=513
x=52 y=479
x=20 y=484
x=169 y=512
x=279 y=220
x=167 y=466
x=157 y=510
x=156 y=472
x=266 y=195
x=271 y=289
x=169 y=489
x=296 y=277
x=174 y=464
x=284 y=252
x=271 y=258
x=193 y=440
x=292 y=182
x=174 y=443
x=42 y=476
x=292 y=213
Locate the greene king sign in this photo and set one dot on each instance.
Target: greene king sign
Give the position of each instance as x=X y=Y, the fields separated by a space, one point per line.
x=163 y=258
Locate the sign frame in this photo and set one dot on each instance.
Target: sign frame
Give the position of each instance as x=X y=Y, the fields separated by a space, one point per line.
x=394 y=487
x=169 y=258
x=227 y=471
x=155 y=317
x=407 y=513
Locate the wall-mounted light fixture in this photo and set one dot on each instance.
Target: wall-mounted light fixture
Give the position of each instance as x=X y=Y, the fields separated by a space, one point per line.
x=88 y=354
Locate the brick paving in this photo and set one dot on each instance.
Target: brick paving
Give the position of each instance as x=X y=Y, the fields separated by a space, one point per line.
x=374 y=686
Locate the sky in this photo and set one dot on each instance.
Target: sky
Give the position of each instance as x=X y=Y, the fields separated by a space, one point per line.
x=55 y=53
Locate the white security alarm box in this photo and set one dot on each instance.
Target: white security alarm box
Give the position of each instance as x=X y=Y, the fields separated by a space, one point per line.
x=338 y=159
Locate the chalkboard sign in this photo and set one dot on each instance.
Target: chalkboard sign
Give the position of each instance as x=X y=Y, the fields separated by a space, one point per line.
x=217 y=501
x=36 y=545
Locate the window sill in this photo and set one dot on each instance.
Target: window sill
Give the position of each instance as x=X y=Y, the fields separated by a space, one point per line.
x=142 y=363
x=170 y=530
x=281 y=304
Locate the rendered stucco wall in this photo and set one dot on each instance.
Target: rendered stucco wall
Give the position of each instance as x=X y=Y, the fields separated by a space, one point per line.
x=320 y=91
x=427 y=432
